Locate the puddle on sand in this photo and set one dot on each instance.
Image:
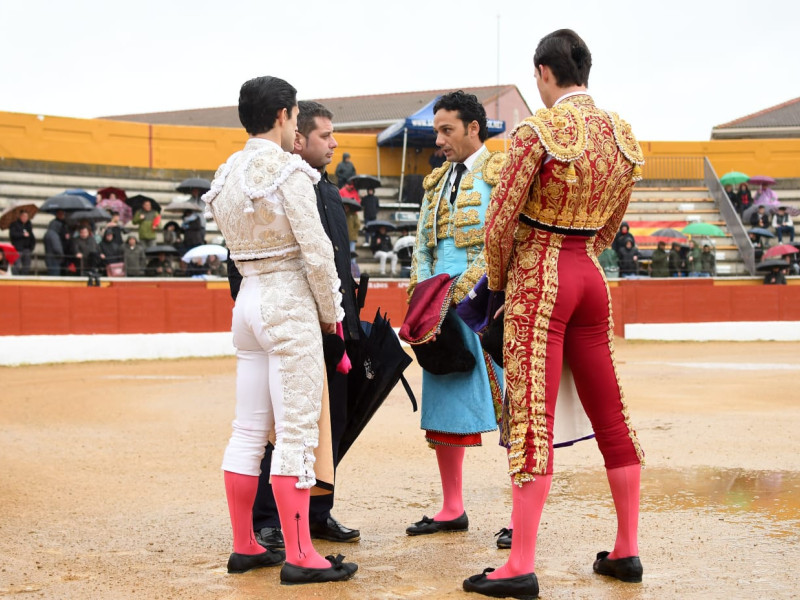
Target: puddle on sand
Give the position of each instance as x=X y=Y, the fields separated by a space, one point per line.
x=773 y=493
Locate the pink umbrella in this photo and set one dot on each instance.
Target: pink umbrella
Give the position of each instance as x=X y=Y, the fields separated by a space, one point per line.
x=762 y=179
x=781 y=250
x=119 y=206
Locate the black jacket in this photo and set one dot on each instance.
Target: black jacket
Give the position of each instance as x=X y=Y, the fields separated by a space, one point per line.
x=17 y=234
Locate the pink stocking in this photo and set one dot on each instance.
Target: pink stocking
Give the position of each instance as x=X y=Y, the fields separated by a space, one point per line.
x=293 y=512
x=241 y=493
x=451 y=459
x=526 y=514
x=624 y=482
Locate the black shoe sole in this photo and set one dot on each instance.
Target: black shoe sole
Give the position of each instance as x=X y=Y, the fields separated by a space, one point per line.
x=242 y=563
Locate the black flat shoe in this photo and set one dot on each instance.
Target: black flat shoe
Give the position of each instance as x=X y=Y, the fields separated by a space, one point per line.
x=330 y=529
x=241 y=563
x=503 y=538
x=428 y=525
x=338 y=571
x=523 y=587
x=625 y=569
x=270 y=537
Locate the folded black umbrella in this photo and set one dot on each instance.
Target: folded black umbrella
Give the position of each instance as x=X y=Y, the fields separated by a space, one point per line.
x=376 y=370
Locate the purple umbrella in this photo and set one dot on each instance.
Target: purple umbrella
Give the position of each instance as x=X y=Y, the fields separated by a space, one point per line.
x=761 y=180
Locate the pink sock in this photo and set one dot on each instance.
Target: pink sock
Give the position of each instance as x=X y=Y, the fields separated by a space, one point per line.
x=293 y=512
x=526 y=514
x=450 y=459
x=241 y=492
x=624 y=482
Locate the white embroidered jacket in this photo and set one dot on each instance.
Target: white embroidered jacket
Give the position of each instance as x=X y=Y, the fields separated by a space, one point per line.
x=264 y=203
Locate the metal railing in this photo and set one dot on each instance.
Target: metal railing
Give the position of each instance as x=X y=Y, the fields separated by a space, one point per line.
x=732 y=221
x=674 y=170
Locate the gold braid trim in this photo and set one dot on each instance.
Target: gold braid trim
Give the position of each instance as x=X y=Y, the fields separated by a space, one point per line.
x=563 y=133
x=493 y=167
x=432 y=178
x=625 y=413
x=627 y=144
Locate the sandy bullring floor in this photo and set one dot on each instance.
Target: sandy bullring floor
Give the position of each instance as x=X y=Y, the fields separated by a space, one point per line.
x=110 y=486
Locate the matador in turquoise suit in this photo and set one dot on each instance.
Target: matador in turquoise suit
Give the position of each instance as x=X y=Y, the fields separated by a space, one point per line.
x=457 y=407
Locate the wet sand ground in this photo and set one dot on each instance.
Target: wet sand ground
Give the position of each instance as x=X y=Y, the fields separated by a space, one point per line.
x=110 y=486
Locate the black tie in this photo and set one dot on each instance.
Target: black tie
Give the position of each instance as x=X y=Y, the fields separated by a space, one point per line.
x=460 y=168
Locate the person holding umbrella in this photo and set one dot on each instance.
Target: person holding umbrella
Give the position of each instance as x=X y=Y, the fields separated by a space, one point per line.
x=23 y=239
x=264 y=201
x=147 y=219
x=344 y=170
x=744 y=199
x=56 y=244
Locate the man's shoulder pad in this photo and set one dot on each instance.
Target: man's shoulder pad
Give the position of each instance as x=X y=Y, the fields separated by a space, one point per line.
x=493 y=167
x=561 y=130
x=432 y=178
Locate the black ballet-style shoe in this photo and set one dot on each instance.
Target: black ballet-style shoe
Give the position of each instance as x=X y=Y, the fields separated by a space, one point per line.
x=338 y=571
x=523 y=587
x=504 y=538
x=428 y=525
x=241 y=563
x=625 y=569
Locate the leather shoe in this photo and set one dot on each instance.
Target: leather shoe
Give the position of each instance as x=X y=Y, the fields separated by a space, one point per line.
x=270 y=537
x=428 y=525
x=625 y=569
x=338 y=571
x=241 y=563
x=523 y=587
x=503 y=538
x=330 y=529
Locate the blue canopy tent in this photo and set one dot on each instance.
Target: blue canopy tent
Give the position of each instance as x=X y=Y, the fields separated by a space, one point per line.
x=417 y=131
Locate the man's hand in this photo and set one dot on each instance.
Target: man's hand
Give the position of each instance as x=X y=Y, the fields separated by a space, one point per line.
x=327 y=328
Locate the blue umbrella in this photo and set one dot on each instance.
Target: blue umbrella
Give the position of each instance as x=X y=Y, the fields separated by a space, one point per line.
x=762 y=232
x=83 y=193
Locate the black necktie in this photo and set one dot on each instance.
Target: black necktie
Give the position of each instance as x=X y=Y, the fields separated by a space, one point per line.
x=460 y=168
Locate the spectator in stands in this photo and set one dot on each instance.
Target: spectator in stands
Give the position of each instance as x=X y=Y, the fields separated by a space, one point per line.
x=160 y=266
x=693 y=259
x=382 y=249
x=5 y=268
x=775 y=277
x=760 y=218
x=659 y=266
x=733 y=197
x=172 y=235
x=708 y=262
x=349 y=191
x=609 y=260
x=370 y=204
x=344 y=171
x=437 y=159
x=758 y=245
x=766 y=195
x=196 y=267
x=628 y=259
x=194 y=229
x=793 y=266
x=782 y=223
x=216 y=266
x=85 y=251
x=116 y=229
x=675 y=261
x=54 y=248
x=147 y=219
x=24 y=241
x=134 y=257
x=624 y=234
x=110 y=250
x=744 y=197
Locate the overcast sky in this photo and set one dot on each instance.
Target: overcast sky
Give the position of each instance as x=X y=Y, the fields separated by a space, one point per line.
x=673 y=70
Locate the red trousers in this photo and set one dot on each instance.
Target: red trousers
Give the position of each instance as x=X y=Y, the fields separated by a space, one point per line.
x=558 y=307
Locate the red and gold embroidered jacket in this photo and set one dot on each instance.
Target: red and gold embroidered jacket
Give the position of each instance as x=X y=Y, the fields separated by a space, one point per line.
x=571 y=166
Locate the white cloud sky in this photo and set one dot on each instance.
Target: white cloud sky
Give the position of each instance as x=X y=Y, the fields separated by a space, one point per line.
x=673 y=70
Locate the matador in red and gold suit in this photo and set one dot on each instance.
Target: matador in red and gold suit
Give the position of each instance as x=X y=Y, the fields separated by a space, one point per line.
x=562 y=194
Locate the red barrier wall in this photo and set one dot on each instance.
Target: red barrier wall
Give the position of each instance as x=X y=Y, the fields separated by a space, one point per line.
x=38 y=307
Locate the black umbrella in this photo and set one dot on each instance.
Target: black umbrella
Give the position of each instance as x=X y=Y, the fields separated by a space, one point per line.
x=187 y=185
x=95 y=215
x=376 y=370
x=375 y=225
x=365 y=182
x=65 y=202
x=159 y=248
x=135 y=202
x=768 y=265
x=351 y=203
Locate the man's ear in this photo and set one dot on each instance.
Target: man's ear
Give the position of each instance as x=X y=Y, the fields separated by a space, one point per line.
x=298 y=142
x=473 y=129
x=282 y=116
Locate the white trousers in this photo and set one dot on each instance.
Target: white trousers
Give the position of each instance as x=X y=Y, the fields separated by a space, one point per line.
x=279 y=374
x=382 y=255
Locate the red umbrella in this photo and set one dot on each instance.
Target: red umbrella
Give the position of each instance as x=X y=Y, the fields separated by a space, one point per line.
x=118 y=192
x=780 y=250
x=11 y=253
x=762 y=180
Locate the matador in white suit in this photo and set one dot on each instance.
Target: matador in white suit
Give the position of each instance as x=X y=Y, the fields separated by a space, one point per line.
x=264 y=203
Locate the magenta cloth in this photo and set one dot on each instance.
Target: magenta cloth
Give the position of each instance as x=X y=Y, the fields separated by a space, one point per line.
x=427 y=309
x=344 y=365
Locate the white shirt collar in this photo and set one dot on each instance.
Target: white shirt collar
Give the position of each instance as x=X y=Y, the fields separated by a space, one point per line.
x=570 y=94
